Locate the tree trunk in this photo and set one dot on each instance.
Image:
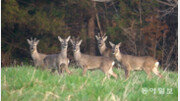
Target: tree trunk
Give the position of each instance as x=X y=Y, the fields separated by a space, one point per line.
x=141 y=51
x=91 y=39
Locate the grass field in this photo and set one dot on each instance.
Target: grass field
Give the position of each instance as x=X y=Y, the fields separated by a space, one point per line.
x=25 y=83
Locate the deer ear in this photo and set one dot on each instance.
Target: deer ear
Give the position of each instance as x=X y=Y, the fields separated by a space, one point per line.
x=29 y=42
x=60 y=39
x=36 y=42
x=97 y=37
x=68 y=38
x=119 y=44
x=105 y=38
x=79 y=43
x=104 y=35
x=112 y=45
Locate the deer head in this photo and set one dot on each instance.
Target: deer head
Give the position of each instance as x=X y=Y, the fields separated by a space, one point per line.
x=33 y=44
x=64 y=42
x=76 y=45
x=101 y=39
x=115 y=48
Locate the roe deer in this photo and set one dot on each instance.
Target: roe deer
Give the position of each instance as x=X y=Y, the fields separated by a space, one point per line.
x=92 y=62
x=36 y=56
x=146 y=63
x=58 y=61
x=104 y=51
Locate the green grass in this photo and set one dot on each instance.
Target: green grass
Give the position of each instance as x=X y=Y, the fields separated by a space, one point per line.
x=29 y=84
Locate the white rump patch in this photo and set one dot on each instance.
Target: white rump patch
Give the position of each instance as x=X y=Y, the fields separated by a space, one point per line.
x=113 y=63
x=156 y=64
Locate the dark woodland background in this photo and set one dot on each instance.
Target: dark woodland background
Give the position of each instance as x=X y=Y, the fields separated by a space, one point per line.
x=145 y=27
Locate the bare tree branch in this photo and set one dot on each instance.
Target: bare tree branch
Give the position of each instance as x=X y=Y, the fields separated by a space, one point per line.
x=172 y=5
x=102 y=0
x=97 y=18
x=165 y=3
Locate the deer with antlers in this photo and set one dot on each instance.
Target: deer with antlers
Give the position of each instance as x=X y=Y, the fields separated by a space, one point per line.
x=36 y=56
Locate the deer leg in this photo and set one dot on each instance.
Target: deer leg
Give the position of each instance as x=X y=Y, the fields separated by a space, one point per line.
x=117 y=64
x=53 y=70
x=156 y=72
x=128 y=68
x=61 y=69
x=106 y=75
x=112 y=73
x=43 y=67
x=148 y=72
x=67 y=70
x=115 y=75
x=127 y=72
x=84 y=70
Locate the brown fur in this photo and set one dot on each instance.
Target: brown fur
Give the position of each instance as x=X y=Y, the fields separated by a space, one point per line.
x=36 y=56
x=130 y=63
x=92 y=62
x=58 y=61
x=104 y=51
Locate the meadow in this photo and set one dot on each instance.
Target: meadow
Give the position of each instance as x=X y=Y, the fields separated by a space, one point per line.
x=26 y=83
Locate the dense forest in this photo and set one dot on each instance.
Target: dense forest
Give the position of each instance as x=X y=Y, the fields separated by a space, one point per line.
x=145 y=27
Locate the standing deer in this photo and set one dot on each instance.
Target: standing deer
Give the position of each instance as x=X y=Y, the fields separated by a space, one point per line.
x=36 y=56
x=130 y=63
x=104 y=51
x=92 y=62
x=58 y=61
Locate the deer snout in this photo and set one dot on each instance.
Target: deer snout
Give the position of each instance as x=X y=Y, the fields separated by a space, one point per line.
x=113 y=52
x=64 y=46
x=99 y=44
x=74 y=50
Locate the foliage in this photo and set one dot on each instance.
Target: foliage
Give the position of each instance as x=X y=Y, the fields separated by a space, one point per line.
x=123 y=20
x=154 y=32
x=28 y=83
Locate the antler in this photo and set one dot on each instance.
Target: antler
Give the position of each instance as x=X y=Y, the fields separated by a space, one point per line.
x=31 y=39
x=104 y=35
x=35 y=39
x=102 y=0
x=73 y=38
x=77 y=39
x=100 y=35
